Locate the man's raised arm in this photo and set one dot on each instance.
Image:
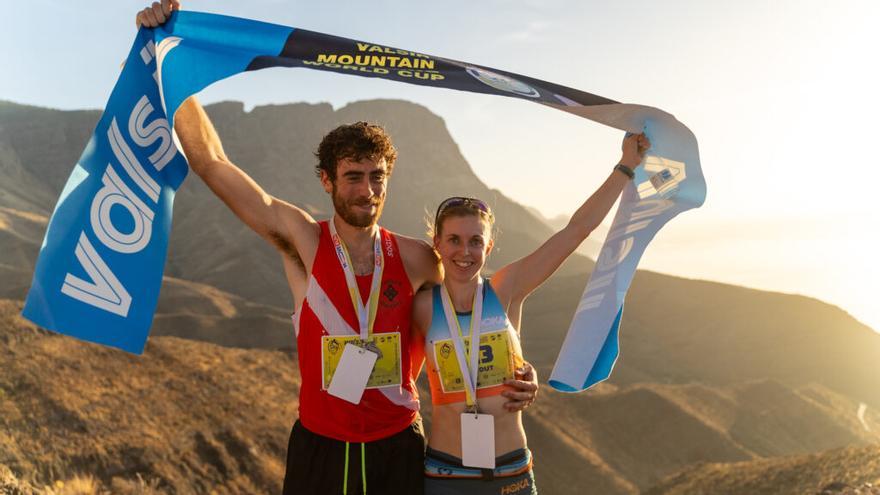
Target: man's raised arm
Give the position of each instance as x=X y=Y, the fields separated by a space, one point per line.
x=282 y=224
x=271 y=218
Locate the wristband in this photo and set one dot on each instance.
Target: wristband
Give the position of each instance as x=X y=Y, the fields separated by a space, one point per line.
x=625 y=170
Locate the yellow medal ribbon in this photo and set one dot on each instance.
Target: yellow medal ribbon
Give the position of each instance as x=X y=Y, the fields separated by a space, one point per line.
x=366 y=313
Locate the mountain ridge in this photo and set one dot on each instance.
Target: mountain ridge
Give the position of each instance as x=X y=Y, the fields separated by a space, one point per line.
x=190 y=416
x=732 y=374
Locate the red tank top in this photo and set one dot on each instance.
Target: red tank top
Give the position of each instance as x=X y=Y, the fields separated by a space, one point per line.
x=326 y=310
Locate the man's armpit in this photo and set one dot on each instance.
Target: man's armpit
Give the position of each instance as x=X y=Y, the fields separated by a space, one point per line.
x=285 y=246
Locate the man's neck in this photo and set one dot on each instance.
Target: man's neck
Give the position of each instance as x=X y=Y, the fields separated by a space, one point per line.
x=358 y=240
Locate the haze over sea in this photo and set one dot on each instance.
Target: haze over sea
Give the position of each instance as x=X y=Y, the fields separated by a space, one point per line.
x=780 y=96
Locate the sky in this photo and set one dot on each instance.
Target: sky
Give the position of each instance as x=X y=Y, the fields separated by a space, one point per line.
x=781 y=96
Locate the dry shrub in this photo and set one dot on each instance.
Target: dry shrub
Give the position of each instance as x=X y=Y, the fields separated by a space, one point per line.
x=80 y=484
x=11 y=484
x=136 y=487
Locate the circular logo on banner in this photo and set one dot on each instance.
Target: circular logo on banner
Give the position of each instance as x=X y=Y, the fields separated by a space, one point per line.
x=502 y=82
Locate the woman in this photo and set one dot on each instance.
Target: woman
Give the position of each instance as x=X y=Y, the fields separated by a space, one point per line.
x=475 y=444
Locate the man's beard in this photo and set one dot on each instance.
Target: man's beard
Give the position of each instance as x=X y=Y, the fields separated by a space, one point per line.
x=357 y=219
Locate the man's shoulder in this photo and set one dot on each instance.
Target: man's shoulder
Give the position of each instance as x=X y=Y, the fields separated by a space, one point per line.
x=409 y=240
x=419 y=258
x=412 y=247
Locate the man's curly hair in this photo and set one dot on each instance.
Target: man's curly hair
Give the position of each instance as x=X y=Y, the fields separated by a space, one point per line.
x=354 y=142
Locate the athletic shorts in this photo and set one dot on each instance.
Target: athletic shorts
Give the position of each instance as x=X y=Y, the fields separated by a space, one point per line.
x=445 y=475
x=317 y=465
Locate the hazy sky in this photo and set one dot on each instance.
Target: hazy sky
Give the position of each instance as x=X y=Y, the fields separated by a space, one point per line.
x=781 y=96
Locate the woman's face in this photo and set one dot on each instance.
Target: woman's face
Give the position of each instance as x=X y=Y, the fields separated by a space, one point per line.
x=463 y=244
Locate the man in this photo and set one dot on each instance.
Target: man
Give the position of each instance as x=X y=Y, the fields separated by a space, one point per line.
x=352 y=284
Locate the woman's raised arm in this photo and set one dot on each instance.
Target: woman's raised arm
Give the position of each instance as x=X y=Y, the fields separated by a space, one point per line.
x=516 y=281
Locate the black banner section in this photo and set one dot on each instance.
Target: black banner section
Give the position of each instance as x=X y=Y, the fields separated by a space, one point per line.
x=326 y=52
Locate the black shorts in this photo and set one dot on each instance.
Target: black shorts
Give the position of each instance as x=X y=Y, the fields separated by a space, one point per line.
x=317 y=464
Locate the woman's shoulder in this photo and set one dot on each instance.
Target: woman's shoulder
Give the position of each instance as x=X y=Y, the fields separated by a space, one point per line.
x=423 y=303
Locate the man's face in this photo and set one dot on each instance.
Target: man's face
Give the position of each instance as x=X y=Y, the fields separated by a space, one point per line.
x=359 y=190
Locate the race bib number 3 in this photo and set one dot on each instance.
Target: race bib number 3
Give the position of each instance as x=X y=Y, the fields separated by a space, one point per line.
x=387 y=369
x=495 y=361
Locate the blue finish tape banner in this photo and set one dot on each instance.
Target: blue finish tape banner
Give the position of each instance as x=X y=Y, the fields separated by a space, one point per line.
x=100 y=266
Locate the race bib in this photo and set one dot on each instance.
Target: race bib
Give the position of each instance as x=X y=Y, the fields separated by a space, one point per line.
x=387 y=370
x=495 y=361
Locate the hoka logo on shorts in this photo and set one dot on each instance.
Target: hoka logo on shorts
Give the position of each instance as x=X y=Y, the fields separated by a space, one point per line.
x=515 y=487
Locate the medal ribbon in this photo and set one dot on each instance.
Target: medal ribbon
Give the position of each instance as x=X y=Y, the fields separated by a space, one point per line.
x=366 y=313
x=465 y=358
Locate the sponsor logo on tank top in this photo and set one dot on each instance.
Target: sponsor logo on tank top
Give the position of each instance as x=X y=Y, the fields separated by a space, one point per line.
x=391 y=293
x=389 y=247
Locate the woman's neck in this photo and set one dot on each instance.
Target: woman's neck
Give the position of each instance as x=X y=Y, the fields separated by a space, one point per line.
x=461 y=293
